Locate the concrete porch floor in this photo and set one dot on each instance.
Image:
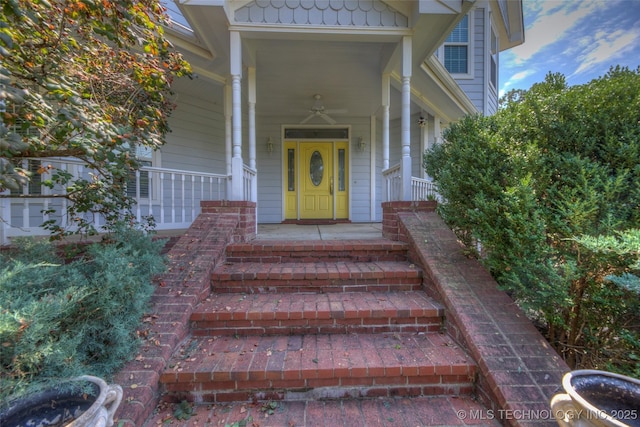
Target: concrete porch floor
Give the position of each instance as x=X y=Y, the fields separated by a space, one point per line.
x=341 y=231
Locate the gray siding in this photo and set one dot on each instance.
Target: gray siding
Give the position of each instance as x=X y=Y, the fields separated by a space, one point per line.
x=474 y=87
x=197 y=139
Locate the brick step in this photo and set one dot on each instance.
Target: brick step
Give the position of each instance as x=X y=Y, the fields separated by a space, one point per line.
x=301 y=367
x=293 y=313
x=321 y=277
x=278 y=251
x=399 y=411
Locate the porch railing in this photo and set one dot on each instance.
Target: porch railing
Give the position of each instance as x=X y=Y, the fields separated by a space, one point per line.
x=171 y=196
x=393 y=183
x=249 y=184
x=421 y=189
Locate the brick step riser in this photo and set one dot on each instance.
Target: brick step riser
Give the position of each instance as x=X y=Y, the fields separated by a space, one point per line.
x=319 y=389
x=278 y=252
x=308 y=288
x=314 y=257
x=266 y=327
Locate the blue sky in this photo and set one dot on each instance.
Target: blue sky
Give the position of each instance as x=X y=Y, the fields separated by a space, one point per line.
x=578 y=38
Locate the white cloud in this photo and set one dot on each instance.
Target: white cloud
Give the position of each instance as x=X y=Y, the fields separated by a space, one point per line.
x=514 y=79
x=554 y=20
x=607 y=48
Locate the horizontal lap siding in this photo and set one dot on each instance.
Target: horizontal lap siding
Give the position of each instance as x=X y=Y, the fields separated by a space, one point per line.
x=196 y=141
x=474 y=88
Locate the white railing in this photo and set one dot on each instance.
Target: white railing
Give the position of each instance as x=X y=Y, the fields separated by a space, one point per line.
x=172 y=197
x=249 y=184
x=393 y=183
x=421 y=189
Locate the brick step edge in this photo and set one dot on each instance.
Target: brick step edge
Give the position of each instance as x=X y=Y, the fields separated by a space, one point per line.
x=287 y=314
x=338 y=270
x=311 y=251
x=316 y=277
x=396 y=411
x=244 y=365
x=319 y=390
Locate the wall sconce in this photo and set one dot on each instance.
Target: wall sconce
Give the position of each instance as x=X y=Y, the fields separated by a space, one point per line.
x=422 y=121
x=361 y=144
x=269 y=145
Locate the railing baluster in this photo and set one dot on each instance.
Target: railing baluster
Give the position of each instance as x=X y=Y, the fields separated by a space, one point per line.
x=161 y=185
x=138 y=195
x=193 y=197
x=173 y=198
x=182 y=191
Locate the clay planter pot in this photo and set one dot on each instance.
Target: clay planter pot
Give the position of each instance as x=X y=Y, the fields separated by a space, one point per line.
x=597 y=398
x=65 y=406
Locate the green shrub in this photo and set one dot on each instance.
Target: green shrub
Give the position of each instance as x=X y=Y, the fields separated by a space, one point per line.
x=550 y=187
x=61 y=318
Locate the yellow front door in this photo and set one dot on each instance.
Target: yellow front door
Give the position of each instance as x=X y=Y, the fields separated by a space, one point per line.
x=316 y=180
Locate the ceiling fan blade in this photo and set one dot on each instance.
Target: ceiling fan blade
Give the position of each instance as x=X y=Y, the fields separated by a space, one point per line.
x=328 y=119
x=340 y=111
x=309 y=117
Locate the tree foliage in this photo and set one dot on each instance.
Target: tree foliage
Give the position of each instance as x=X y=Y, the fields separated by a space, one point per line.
x=88 y=80
x=550 y=186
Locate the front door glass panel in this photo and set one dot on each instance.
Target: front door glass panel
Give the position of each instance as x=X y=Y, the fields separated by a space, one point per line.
x=316 y=168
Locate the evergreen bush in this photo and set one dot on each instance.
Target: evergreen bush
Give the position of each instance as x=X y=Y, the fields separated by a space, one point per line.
x=62 y=318
x=550 y=187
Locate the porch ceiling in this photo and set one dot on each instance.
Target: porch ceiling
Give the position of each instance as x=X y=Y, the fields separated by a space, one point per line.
x=292 y=65
x=347 y=75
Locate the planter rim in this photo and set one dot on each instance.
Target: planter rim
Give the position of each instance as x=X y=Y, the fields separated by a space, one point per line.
x=105 y=395
x=571 y=391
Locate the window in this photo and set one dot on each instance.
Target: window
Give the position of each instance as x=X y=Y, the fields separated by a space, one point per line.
x=457 y=47
x=34 y=187
x=493 y=59
x=145 y=157
x=291 y=169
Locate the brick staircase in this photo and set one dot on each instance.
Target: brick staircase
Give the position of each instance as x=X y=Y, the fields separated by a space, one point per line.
x=324 y=320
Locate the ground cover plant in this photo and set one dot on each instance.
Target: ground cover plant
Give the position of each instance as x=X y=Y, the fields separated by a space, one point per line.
x=70 y=313
x=547 y=194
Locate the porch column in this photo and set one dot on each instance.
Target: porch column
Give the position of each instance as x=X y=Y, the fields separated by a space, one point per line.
x=386 y=95
x=252 y=129
x=405 y=165
x=237 y=167
x=228 y=136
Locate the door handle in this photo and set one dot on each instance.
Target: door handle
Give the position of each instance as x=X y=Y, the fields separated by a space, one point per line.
x=331 y=187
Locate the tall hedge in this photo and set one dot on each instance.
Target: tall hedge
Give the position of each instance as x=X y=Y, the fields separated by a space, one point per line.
x=549 y=188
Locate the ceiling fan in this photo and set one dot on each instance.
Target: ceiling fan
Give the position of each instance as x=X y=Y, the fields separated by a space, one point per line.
x=318 y=110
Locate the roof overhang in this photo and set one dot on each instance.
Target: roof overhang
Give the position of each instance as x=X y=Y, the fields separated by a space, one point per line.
x=510 y=22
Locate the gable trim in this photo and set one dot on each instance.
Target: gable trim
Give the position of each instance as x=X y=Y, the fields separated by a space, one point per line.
x=332 y=13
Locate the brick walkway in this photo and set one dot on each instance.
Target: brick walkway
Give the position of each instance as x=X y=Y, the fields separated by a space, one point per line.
x=386 y=412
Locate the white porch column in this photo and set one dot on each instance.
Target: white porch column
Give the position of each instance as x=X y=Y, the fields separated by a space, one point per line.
x=405 y=165
x=228 y=136
x=437 y=131
x=386 y=95
x=252 y=129
x=237 y=172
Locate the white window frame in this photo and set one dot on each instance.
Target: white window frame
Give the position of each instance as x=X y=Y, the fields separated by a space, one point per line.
x=149 y=158
x=469 y=45
x=493 y=57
